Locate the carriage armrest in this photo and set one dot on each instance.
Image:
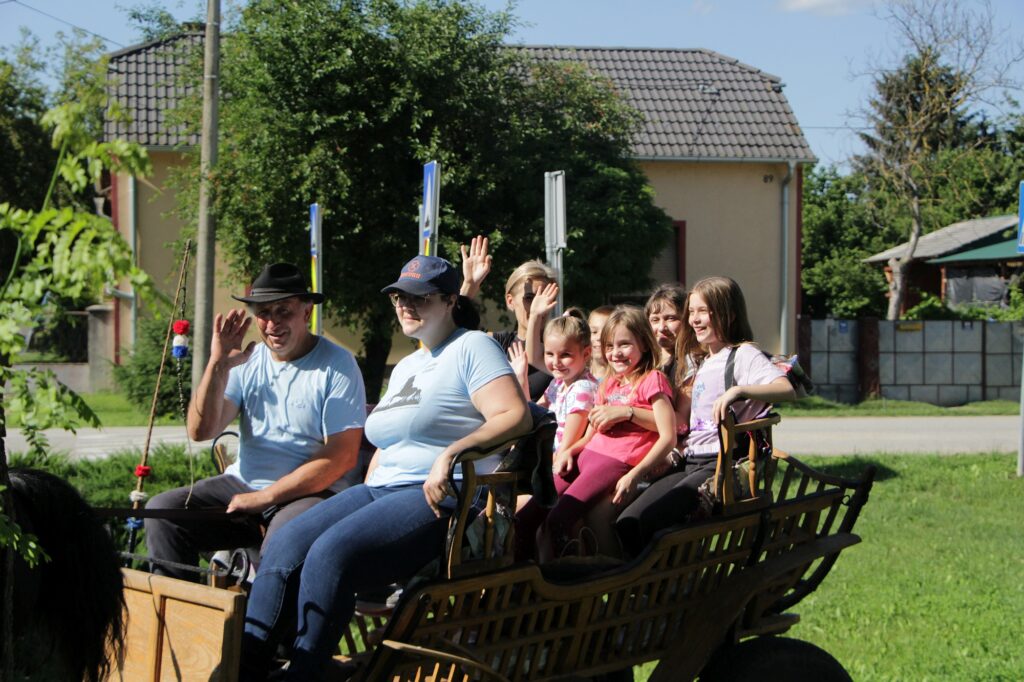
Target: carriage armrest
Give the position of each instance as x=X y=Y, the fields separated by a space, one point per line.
x=758 y=471
x=526 y=466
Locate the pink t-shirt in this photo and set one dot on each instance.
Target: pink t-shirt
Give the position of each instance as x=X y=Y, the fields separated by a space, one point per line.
x=626 y=441
x=565 y=399
x=750 y=367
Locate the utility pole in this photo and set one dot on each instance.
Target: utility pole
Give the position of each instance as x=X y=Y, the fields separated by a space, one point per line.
x=207 y=230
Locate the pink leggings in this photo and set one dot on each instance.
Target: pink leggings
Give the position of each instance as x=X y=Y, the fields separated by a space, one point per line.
x=593 y=478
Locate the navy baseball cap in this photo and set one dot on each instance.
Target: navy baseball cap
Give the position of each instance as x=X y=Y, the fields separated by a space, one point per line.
x=426 y=275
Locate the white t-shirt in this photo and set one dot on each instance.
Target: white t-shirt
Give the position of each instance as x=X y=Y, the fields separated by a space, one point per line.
x=427 y=405
x=750 y=367
x=289 y=408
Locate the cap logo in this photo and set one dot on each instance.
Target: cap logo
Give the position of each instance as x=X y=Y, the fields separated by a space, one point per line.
x=414 y=265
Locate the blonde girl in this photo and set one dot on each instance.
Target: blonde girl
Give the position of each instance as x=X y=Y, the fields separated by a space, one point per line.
x=615 y=460
x=716 y=336
x=573 y=390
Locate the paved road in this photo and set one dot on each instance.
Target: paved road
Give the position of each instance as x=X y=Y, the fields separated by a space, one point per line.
x=95 y=443
x=797 y=435
x=851 y=435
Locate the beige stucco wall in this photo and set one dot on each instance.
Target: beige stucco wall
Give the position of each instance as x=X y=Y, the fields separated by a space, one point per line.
x=733 y=214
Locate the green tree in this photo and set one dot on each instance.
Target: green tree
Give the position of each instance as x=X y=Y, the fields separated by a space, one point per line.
x=24 y=143
x=341 y=103
x=843 y=225
x=919 y=112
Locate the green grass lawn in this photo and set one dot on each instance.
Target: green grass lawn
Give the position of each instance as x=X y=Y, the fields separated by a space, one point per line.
x=936 y=589
x=114 y=409
x=815 y=406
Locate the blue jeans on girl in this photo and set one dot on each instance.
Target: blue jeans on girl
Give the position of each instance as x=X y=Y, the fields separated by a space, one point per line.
x=362 y=538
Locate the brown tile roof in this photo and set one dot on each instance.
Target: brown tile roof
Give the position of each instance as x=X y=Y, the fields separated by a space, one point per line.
x=697 y=104
x=144 y=81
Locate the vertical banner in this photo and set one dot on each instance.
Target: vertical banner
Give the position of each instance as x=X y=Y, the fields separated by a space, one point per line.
x=316 y=270
x=554 y=228
x=429 y=208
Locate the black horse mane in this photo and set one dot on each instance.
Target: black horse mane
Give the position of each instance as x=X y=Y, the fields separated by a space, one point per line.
x=69 y=610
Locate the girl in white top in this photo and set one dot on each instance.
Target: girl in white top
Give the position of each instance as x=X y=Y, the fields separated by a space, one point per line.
x=573 y=390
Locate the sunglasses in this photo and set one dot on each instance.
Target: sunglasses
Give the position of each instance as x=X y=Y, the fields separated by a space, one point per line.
x=409 y=300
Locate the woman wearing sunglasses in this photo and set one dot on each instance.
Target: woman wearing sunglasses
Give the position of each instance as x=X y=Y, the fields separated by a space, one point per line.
x=456 y=391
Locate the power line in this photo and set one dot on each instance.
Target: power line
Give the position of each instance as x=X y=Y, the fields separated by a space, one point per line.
x=851 y=128
x=63 y=21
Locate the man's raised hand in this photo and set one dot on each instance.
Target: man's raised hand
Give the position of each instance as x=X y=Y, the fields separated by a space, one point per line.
x=228 y=333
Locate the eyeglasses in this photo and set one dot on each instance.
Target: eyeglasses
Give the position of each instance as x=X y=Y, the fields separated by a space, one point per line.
x=409 y=300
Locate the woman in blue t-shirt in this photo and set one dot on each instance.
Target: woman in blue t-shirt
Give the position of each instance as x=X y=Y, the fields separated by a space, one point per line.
x=455 y=392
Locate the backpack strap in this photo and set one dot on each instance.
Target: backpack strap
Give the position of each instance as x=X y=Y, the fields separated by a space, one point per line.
x=730 y=368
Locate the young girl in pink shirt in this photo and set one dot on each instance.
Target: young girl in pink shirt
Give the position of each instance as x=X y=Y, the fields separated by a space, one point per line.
x=616 y=460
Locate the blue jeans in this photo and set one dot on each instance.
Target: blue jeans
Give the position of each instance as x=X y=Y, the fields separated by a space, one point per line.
x=362 y=538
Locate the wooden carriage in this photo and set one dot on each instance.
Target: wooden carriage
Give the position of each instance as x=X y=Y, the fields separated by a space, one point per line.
x=695 y=591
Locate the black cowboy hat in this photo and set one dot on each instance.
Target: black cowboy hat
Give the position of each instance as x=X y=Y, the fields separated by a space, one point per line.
x=278 y=282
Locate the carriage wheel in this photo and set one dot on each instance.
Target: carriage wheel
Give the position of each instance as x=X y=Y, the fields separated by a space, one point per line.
x=774 y=658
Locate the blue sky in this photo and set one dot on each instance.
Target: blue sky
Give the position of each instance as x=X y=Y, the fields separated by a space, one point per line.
x=820 y=48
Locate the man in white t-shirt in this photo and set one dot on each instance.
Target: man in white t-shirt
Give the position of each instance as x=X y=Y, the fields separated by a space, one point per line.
x=300 y=402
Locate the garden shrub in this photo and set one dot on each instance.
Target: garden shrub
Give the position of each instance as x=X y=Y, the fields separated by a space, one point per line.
x=136 y=376
x=106 y=482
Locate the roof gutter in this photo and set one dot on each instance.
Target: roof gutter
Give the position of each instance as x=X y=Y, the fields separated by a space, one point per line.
x=705 y=159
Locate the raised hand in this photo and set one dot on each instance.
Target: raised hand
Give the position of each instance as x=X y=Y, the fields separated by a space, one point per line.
x=545 y=301
x=520 y=364
x=476 y=265
x=228 y=333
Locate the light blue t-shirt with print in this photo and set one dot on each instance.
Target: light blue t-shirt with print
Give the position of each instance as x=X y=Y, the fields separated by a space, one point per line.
x=287 y=409
x=427 y=405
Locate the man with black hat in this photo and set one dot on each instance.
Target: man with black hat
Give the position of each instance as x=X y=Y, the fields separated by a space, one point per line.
x=300 y=402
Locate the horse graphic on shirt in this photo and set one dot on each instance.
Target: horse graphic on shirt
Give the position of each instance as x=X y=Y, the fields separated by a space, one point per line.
x=409 y=395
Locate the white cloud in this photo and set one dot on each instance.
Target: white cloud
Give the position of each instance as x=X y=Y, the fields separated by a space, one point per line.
x=824 y=7
x=703 y=7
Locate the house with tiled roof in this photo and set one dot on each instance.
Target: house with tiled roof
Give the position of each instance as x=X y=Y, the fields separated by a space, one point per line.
x=967 y=262
x=720 y=146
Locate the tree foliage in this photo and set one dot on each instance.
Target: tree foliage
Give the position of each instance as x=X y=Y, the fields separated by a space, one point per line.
x=933 y=157
x=918 y=114
x=24 y=142
x=842 y=226
x=342 y=103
